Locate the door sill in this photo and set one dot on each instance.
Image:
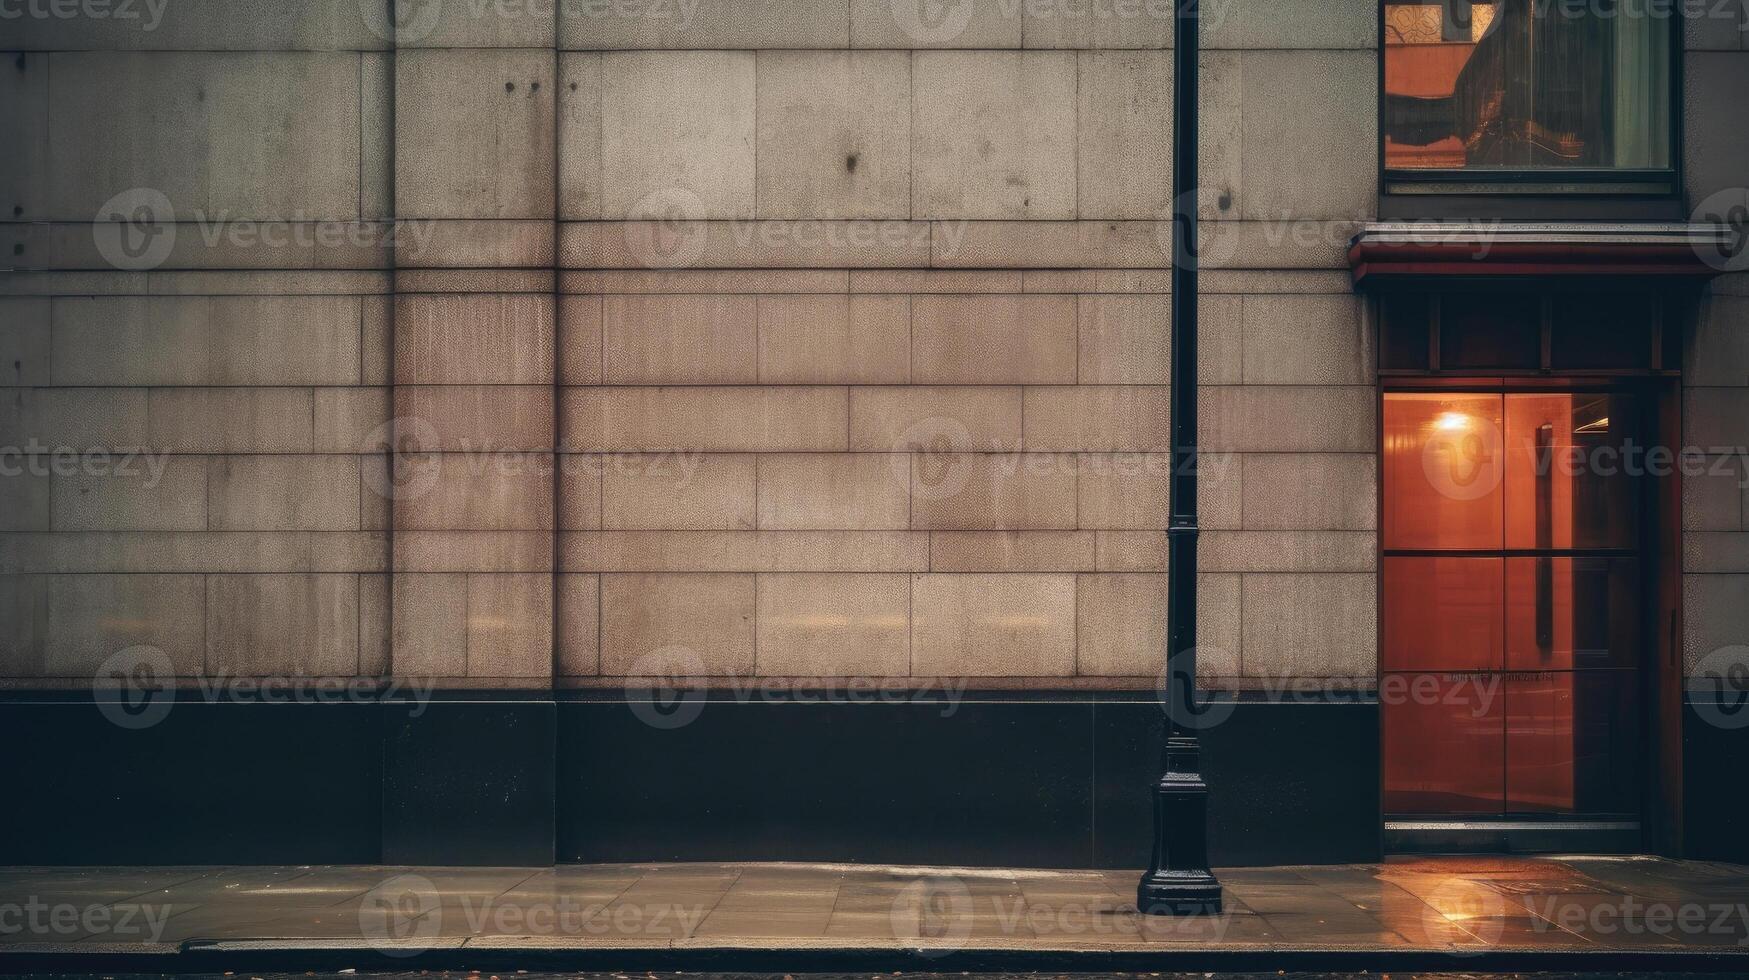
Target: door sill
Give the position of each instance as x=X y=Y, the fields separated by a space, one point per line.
x=1513 y=837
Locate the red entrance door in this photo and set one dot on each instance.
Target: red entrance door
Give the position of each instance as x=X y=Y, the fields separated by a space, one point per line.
x=1511 y=613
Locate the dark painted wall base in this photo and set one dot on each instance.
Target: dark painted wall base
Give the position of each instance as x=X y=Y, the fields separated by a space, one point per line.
x=1037 y=782
x=343 y=782
x=1715 y=805
x=1041 y=781
x=468 y=782
x=1045 y=780
x=207 y=784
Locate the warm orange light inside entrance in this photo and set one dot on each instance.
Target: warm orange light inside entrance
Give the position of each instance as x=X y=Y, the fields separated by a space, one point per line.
x=1511 y=595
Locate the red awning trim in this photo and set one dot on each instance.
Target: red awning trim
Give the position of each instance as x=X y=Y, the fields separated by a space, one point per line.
x=1394 y=249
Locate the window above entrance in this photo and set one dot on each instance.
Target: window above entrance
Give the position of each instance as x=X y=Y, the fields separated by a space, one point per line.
x=1514 y=96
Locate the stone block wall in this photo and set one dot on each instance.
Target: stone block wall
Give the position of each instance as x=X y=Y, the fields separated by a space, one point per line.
x=187 y=417
x=791 y=339
x=1715 y=559
x=947 y=474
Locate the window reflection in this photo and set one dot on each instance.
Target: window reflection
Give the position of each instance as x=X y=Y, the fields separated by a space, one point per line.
x=1570 y=743
x=1444 y=746
x=1443 y=466
x=1443 y=613
x=1518 y=84
x=1568 y=479
x=1512 y=593
x=1571 y=613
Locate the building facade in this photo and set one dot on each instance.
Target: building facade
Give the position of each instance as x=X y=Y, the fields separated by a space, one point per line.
x=505 y=432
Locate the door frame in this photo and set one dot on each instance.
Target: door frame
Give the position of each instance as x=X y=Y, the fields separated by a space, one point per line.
x=1660 y=669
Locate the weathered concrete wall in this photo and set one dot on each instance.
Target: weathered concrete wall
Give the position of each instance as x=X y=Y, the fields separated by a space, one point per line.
x=813 y=339
x=188 y=451
x=1715 y=558
x=882 y=394
x=914 y=352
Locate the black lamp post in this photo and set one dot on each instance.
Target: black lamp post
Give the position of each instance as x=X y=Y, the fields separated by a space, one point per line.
x=1178 y=881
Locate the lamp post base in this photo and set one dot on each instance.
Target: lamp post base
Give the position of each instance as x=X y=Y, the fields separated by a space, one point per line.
x=1179 y=893
x=1178 y=880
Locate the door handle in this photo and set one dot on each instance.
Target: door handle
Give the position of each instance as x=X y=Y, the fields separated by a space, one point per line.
x=1545 y=566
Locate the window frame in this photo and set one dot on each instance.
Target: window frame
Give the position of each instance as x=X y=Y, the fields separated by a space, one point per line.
x=1655 y=184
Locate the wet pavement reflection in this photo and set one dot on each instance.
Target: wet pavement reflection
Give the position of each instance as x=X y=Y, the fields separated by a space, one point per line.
x=1455 y=904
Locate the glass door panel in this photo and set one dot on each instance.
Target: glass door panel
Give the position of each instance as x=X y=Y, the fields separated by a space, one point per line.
x=1444 y=745
x=1569 y=471
x=1443 y=613
x=1570 y=743
x=1572 y=613
x=1443 y=465
x=1511 y=594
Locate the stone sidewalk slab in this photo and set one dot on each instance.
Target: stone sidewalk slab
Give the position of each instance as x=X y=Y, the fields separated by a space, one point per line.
x=1458 y=911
